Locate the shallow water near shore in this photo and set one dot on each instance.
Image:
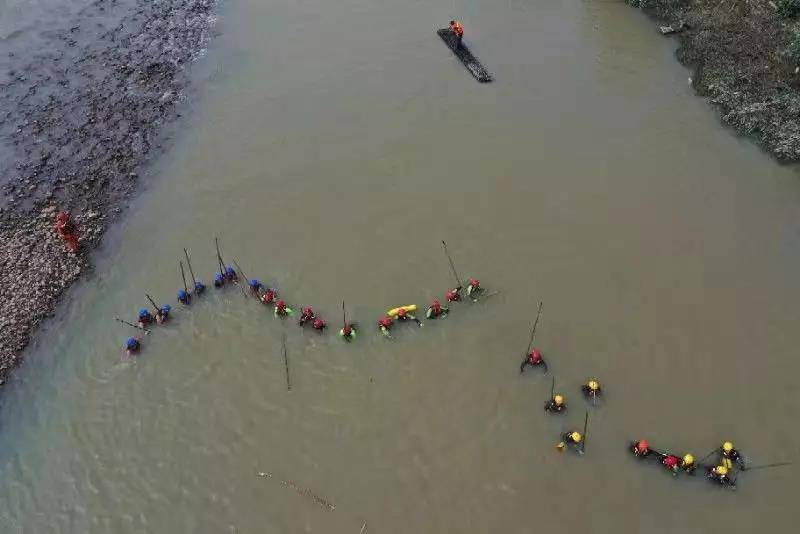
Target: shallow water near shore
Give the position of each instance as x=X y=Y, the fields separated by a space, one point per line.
x=331 y=153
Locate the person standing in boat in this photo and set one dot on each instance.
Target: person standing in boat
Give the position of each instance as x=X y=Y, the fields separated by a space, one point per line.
x=458 y=30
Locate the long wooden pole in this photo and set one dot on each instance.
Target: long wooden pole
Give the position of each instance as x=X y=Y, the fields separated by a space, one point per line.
x=452 y=266
x=533 y=330
x=153 y=302
x=183 y=277
x=246 y=280
x=219 y=258
x=189 y=263
x=585 y=429
x=146 y=331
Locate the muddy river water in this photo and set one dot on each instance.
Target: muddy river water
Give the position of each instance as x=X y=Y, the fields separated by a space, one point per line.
x=332 y=146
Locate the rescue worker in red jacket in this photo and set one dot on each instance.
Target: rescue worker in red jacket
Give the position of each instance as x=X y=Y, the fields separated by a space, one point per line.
x=641 y=448
x=453 y=295
x=403 y=315
x=307 y=316
x=671 y=463
x=385 y=324
x=534 y=359
x=436 y=310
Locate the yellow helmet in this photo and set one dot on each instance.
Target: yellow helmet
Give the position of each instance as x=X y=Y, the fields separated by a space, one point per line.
x=727 y=446
x=688 y=459
x=558 y=399
x=576 y=437
x=721 y=470
x=593 y=385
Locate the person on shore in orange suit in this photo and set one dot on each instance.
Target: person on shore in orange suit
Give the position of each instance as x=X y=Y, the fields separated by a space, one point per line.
x=66 y=230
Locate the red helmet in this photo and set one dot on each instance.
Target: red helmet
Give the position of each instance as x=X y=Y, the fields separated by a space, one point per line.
x=385 y=321
x=308 y=311
x=642 y=445
x=451 y=295
x=347 y=330
x=474 y=283
x=535 y=355
x=319 y=324
x=401 y=312
x=436 y=304
x=281 y=304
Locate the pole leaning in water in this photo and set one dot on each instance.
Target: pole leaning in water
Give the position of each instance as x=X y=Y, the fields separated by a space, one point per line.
x=344 y=318
x=452 y=266
x=219 y=258
x=146 y=331
x=286 y=363
x=246 y=280
x=585 y=430
x=189 y=264
x=183 y=277
x=533 y=330
x=153 y=302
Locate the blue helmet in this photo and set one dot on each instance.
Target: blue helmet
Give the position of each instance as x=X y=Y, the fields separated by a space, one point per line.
x=132 y=343
x=166 y=308
x=255 y=283
x=143 y=313
x=229 y=270
x=218 y=277
x=182 y=295
x=198 y=284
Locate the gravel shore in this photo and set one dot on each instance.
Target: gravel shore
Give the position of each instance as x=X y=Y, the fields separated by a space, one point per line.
x=80 y=120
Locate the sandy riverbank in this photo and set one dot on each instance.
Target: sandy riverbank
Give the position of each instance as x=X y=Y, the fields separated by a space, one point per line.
x=81 y=117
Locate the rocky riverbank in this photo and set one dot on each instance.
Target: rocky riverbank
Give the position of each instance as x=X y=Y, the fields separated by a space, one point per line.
x=80 y=117
x=745 y=61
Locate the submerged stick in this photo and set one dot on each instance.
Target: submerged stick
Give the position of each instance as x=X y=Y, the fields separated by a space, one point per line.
x=189 y=263
x=533 y=330
x=146 y=331
x=344 y=317
x=767 y=466
x=585 y=429
x=704 y=458
x=302 y=491
x=363 y=528
x=452 y=266
x=286 y=363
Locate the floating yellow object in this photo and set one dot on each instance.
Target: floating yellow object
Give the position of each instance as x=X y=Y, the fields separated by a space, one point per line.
x=408 y=308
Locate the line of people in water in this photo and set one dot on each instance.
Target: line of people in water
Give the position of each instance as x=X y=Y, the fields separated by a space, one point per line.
x=557 y=404
x=721 y=471
x=268 y=296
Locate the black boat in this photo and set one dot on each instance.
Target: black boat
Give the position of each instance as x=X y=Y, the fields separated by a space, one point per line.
x=466 y=57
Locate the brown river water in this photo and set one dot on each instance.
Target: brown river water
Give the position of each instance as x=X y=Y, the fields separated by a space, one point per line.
x=334 y=144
